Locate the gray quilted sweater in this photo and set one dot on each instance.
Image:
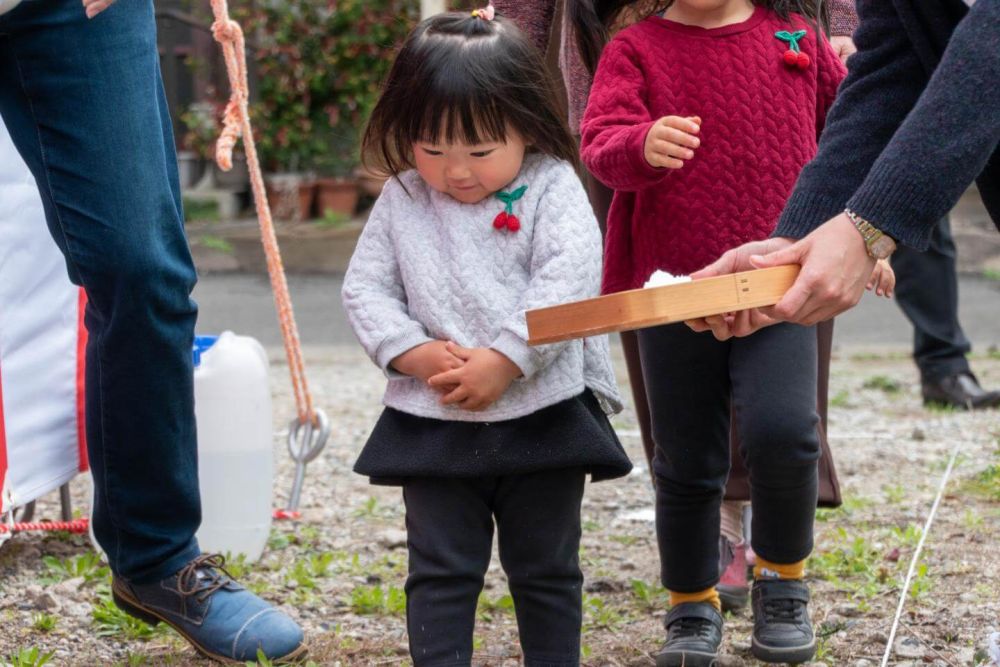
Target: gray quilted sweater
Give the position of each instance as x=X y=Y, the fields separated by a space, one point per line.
x=428 y=267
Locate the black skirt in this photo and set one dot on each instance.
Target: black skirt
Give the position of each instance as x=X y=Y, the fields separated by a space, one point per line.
x=572 y=434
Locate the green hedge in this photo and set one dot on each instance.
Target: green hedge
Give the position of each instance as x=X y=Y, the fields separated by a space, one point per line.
x=319 y=66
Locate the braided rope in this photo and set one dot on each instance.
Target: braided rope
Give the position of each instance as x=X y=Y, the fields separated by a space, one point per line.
x=75 y=526
x=82 y=525
x=236 y=123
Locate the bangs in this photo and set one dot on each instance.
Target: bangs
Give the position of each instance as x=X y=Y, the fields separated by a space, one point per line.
x=457 y=103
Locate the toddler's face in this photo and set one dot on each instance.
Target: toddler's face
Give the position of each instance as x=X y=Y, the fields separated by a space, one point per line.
x=470 y=173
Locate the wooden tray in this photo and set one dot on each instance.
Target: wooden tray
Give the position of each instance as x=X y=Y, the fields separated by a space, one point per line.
x=652 y=306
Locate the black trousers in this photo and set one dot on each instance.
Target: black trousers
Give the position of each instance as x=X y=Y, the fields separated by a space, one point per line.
x=927 y=292
x=449 y=523
x=770 y=377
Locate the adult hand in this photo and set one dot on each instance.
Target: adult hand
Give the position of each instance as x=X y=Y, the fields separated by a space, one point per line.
x=843 y=46
x=480 y=382
x=95 y=7
x=745 y=322
x=427 y=360
x=671 y=140
x=835 y=269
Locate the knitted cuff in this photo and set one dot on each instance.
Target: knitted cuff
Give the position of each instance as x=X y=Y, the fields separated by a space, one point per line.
x=644 y=173
x=904 y=210
x=843 y=18
x=515 y=348
x=396 y=345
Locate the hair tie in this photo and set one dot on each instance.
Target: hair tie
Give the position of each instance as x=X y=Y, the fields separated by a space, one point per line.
x=487 y=13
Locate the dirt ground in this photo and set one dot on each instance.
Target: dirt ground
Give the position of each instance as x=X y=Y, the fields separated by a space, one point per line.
x=340 y=569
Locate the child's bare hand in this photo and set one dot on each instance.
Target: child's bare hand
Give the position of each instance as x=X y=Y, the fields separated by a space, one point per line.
x=883 y=279
x=427 y=360
x=480 y=382
x=671 y=141
x=95 y=7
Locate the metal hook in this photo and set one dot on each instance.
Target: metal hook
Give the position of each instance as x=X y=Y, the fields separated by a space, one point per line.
x=305 y=442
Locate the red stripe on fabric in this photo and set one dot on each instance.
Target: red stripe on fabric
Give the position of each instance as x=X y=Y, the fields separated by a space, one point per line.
x=3 y=447
x=81 y=374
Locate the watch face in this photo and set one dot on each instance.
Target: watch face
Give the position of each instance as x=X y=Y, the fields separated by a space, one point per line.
x=882 y=247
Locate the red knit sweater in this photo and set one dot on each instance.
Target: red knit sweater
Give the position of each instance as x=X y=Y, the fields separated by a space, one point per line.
x=760 y=122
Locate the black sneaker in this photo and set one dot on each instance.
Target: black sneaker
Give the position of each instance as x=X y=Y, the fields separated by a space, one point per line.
x=782 y=631
x=694 y=633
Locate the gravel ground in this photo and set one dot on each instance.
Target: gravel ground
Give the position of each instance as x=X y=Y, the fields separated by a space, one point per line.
x=341 y=568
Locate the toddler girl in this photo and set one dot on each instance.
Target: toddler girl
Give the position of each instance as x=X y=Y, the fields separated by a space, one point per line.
x=701 y=117
x=483 y=219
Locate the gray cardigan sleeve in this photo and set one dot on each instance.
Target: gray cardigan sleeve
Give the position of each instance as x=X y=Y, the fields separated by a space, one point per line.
x=374 y=295
x=565 y=266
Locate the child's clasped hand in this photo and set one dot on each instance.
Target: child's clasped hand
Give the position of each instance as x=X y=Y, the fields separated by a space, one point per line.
x=671 y=140
x=479 y=382
x=427 y=360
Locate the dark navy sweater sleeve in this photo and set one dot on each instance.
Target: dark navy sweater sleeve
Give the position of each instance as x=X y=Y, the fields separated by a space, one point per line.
x=900 y=149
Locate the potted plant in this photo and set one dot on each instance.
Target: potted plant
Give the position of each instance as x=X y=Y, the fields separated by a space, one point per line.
x=319 y=66
x=337 y=191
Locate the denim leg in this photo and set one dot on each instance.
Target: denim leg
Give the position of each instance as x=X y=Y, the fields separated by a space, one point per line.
x=84 y=104
x=774 y=395
x=687 y=382
x=538 y=534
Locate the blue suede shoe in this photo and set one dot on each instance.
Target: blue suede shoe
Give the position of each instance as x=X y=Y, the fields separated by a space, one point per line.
x=220 y=618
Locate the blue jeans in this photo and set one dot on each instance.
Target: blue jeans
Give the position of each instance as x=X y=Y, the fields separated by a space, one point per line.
x=84 y=103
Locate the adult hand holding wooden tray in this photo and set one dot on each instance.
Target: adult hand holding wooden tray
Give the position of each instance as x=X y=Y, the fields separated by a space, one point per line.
x=652 y=306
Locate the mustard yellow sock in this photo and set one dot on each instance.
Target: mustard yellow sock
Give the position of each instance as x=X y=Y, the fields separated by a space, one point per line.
x=765 y=569
x=707 y=595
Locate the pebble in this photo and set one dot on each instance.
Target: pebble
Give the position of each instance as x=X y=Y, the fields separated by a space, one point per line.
x=909 y=647
x=46 y=602
x=740 y=646
x=392 y=539
x=965 y=656
x=68 y=589
x=848 y=610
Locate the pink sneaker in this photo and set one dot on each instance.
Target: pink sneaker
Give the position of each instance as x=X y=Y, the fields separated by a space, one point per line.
x=733 y=586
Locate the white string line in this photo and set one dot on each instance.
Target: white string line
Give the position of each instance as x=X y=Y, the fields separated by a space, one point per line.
x=916 y=555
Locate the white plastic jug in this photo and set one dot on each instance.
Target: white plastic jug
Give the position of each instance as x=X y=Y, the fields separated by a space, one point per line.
x=232 y=404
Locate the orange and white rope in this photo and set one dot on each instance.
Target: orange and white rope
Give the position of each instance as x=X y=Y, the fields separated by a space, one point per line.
x=75 y=526
x=236 y=123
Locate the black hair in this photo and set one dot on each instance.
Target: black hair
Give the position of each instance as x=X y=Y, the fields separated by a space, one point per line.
x=461 y=78
x=593 y=20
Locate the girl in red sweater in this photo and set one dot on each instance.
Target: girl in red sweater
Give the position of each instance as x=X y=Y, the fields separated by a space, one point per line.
x=701 y=117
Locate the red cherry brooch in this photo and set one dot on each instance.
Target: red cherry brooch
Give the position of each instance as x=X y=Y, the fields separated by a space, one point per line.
x=506 y=218
x=793 y=57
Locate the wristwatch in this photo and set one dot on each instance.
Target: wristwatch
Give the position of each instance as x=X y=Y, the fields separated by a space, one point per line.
x=879 y=244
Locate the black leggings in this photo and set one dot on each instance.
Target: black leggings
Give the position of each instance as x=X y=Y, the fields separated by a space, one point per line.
x=449 y=523
x=770 y=377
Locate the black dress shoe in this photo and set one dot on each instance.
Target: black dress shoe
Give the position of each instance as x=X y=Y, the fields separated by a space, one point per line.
x=694 y=634
x=961 y=391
